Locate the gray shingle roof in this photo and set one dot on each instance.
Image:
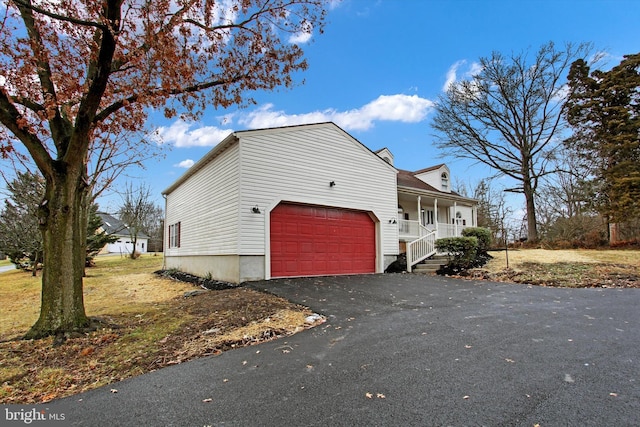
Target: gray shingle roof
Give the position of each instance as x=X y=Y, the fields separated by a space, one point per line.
x=113 y=225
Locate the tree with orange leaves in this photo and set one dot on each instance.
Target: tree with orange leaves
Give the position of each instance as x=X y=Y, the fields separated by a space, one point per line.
x=75 y=71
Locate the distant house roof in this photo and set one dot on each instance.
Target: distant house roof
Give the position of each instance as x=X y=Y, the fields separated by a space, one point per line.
x=113 y=225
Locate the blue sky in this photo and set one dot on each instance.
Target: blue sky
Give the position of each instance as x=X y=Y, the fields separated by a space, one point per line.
x=380 y=65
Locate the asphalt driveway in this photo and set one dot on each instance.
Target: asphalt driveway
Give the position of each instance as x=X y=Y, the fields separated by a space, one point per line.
x=405 y=350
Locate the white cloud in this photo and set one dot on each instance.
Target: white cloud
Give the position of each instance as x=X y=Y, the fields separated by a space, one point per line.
x=187 y=163
x=452 y=75
x=181 y=135
x=393 y=108
x=398 y=108
x=301 y=37
x=466 y=74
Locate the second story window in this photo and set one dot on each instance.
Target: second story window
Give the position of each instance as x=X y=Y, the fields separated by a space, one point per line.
x=445 y=181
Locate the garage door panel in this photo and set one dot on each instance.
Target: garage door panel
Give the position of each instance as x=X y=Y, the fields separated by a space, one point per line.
x=314 y=240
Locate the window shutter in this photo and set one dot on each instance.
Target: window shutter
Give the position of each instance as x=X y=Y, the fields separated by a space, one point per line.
x=178 y=242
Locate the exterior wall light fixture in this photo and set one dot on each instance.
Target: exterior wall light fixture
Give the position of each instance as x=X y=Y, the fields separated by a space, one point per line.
x=255 y=209
x=332 y=184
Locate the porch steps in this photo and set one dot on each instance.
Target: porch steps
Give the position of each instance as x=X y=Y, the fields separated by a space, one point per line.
x=430 y=265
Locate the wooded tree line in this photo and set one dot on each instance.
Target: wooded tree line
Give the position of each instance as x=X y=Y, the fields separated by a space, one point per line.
x=569 y=135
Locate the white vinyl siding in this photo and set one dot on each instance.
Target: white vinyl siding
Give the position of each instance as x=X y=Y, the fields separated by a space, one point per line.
x=206 y=205
x=435 y=179
x=297 y=165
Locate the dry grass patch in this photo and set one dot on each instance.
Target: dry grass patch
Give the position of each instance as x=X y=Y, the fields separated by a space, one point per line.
x=148 y=324
x=567 y=268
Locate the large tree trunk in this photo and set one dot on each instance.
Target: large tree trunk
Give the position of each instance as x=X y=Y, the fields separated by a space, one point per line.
x=532 y=226
x=63 y=217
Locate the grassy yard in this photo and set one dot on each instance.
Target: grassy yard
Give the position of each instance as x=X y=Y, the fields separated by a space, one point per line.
x=147 y=321
x=569 y=268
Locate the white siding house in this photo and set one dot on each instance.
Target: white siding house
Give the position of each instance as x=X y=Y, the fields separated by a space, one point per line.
x=112 y=226
x=258 y=200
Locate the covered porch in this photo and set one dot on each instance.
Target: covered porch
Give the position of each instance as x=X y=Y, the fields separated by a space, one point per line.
x=447 y=216
x=423 y=218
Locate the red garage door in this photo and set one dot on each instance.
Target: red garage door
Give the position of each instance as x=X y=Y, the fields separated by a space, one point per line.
x=314 y=240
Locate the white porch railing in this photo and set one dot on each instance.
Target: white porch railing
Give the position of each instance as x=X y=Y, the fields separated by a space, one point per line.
x=420 y=249
x=450 y=230
x=413 y=229
x=409 y=228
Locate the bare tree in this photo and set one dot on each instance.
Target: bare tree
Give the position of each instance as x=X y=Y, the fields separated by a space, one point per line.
x=138 y=212
x=492 y=209
x=509 y=116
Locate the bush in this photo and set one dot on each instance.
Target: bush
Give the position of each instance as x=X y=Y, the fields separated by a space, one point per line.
x=482 y=234
x=461 y=251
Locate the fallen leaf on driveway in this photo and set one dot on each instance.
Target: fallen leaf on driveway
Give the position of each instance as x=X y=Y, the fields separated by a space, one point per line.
x=613 y=394
x=510 y=360
x=369 y=395
x=207 y=400
x=113 y=390
x=380 y=396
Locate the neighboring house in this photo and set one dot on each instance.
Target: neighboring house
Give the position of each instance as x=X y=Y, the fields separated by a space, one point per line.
x=124 y=245
x=302 y=201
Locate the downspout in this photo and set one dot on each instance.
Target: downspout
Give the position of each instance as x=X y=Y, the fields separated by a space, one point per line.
x=164 y=251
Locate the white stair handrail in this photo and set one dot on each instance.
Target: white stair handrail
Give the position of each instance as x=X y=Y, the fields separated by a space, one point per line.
x=420 y=249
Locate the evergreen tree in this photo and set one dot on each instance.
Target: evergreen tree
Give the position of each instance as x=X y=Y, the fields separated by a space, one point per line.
x=604 y=110
x=20 y=236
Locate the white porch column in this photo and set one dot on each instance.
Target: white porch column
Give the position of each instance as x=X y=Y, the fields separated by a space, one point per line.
x=455 y=217
x=474 y=216
x=419 y=207
x=435 y=215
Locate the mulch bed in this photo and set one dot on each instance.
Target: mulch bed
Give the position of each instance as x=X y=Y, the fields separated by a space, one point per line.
x=214 y=285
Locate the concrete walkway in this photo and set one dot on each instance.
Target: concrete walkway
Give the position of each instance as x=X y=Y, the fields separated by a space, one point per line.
x=405 y=350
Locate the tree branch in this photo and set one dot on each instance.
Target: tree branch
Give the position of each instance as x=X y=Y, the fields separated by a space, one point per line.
x=27 y=4
x=17 y=124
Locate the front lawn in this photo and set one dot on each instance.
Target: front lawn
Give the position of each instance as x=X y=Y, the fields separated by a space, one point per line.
x=567 y=268
x=148 y=323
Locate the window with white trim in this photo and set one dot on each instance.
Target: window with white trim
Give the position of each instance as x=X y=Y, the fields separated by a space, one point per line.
x=445 y=181
x=174 y=235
